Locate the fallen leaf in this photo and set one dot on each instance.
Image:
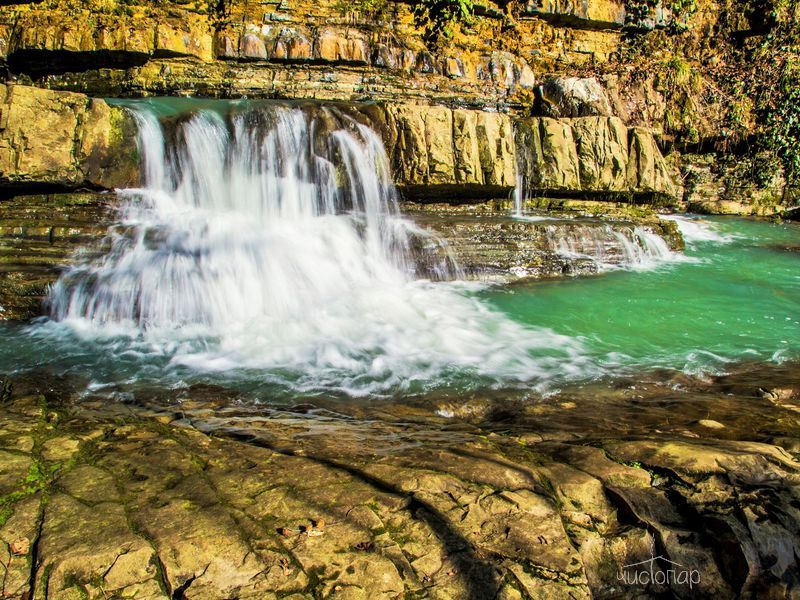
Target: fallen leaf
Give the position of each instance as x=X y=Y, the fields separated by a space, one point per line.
x=20 y=547
x=319 y=523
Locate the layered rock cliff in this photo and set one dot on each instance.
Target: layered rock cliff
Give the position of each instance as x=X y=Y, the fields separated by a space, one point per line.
x=520 y=58
x=58 y=141
x=296 y=48
x=551 y=98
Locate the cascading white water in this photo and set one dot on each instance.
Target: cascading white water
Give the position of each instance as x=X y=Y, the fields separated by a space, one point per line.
x=643 y=249
x=268 y=239
x=611 y=247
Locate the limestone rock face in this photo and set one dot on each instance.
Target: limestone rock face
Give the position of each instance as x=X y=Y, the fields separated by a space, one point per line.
x=597 y=13
x=647 y=170
x=298 y=49
x=64 y=139
x=39 y=236
x=114 y=38
x=68 y=140
x=548 y=155
x=464 y=152
x=591 y=155
x=602 y=144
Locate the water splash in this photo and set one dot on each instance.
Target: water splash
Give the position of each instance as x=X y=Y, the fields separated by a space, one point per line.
x=267 y=240
x=696 y=231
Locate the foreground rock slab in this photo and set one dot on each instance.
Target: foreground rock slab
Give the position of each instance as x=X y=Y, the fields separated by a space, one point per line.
x=101 y=499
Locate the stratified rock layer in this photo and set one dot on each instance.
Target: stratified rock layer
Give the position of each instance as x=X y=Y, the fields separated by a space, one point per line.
x=40 y=236
x=439 y=152
x=591 y=155
x=68 y=140
x=298 y=48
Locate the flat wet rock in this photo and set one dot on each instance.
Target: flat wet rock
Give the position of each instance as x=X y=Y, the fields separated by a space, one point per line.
x=490 y=244
x=164 y=498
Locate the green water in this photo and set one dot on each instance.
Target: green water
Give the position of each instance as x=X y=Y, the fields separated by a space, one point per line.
x=735 y=298
x=738 y=299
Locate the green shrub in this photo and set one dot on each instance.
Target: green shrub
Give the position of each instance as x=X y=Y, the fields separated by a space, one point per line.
x=438 y=18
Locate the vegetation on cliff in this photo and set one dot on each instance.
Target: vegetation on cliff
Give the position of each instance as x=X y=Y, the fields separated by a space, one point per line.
x=438 y=17
x=777 y=75
x=729 y=79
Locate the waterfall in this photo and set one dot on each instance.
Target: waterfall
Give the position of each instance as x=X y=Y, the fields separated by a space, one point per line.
x=267 y=238
x=698 y=231
x=519 y=194
x=257 y=204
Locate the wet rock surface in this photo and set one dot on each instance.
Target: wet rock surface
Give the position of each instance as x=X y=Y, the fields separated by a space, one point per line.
x=199 y=493
x=39 y=236
x=490 y=244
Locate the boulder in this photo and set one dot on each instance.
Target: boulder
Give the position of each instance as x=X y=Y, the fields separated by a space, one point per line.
x=64 y=139
x=574 y=97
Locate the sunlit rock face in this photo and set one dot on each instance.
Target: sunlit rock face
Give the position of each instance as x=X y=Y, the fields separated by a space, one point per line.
x=69 y=140
x=430 y=154
x=299 y=48
x=590 y=155
x=64 y=139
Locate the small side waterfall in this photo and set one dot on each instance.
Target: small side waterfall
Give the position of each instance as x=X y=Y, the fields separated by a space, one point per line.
x=268 y=238
x=609 y=246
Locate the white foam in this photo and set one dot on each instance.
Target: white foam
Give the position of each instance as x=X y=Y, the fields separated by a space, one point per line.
x=614 y=247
